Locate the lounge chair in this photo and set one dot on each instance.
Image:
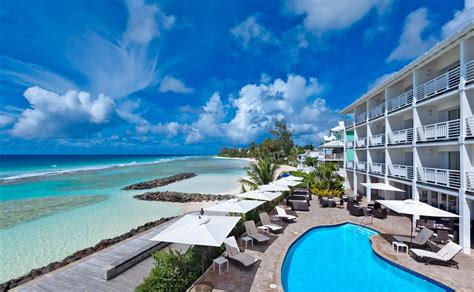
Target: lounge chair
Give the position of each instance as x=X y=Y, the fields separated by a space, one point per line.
x=420 y=239
x=233 y=253
x=442 y=236
x=252 y=232
x=443 y=256
x=282 y=214
x=267 y=223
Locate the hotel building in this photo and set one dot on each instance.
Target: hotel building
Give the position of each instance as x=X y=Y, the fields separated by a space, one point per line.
x=415 y=131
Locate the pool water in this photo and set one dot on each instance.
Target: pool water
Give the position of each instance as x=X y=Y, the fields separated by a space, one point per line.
x=340 y=258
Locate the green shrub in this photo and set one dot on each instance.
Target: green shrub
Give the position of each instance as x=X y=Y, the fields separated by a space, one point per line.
x=176 y=272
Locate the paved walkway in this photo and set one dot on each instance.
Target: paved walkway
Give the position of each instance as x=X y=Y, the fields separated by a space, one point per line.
x=265 y=275
x=85 y=274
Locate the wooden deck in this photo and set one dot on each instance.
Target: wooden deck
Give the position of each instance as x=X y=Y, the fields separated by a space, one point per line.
x=85 y=274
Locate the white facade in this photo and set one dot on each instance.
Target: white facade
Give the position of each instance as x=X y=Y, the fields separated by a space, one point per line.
x=416 y=131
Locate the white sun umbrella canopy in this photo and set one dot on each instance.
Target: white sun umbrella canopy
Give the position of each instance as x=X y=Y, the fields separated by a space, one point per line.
x=415 y=208
x=273 y=188
x=382 y=187
x=286 y=182
x=194 y=229
x=234 y=206
x=411 y=207
x=259 y=195
x=292 y=177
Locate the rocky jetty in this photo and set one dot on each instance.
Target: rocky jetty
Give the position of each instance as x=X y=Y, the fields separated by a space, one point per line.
x=160 y=182
x=177 y=197
x=79 y=255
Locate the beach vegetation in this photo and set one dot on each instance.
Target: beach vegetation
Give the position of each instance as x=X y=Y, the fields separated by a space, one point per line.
x=325 y=180
x=261 y=173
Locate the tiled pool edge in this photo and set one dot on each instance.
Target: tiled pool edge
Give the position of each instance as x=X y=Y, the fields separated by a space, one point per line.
x=378 y=252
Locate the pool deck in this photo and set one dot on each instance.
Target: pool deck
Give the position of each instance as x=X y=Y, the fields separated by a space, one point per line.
x=265 y=274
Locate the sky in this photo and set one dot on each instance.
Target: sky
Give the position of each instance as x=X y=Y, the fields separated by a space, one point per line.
x=185 y=76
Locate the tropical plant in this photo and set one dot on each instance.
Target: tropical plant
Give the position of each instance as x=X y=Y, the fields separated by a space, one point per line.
x=260 y=173
x=327 y=180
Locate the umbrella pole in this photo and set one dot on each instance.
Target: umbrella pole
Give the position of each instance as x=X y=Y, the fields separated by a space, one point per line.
x=411 y=233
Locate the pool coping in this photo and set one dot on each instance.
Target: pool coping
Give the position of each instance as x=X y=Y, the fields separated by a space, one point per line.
x=281 y=259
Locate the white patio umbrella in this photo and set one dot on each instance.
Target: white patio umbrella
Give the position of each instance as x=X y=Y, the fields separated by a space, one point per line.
x=194 y=229
x=286 y=182
x=273 y=188
x=415 y=208
x=259 y=195
x=382 y=187
x=235 y=206
x=292 y=177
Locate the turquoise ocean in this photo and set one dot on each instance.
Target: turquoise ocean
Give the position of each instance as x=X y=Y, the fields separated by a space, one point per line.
x=54 y=205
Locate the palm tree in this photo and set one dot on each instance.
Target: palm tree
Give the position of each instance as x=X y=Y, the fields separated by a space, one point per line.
x=260 y=173
x=327 y=178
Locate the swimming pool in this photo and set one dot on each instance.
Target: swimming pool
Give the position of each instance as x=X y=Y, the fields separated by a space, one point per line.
x=340 y=258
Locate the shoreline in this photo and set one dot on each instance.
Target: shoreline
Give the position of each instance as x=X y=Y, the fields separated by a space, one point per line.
x=235 y=158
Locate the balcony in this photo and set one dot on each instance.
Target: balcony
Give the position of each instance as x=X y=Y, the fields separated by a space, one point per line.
x=377 y=111
x=349 y=123
x=470 y=127
x=400 y=137
x=401 y=101
x=439 y=131
x=400 y=171
x=377 y=140
x=470 y=181
x=440 y=177
x=447 y=81
x=350 y=144
x=360 y=142
x=334 y=157
x=377 y=168
x=470 y=71
x=361 y=166
x=350 y=164
x=361 y=118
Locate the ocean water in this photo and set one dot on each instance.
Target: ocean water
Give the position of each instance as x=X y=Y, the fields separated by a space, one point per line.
x=51 y=206
x=340 y=258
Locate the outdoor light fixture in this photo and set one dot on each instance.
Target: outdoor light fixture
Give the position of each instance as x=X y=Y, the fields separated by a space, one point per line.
x=430 y=152
x=430 y=112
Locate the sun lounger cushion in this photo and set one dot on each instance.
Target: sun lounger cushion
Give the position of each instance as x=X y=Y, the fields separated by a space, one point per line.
x=267 y=223
x=244 y=259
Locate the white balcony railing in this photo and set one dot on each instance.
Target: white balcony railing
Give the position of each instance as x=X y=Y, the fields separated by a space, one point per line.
x=350 y=144
x=361 y=118
x=470 y=181
x=400 y=171
x=334 y=157
x=470 y=71
x=349 y=123
x=470 y=127
x=377 y=140
x=438 y=85
x=377 y=168
x=377 y=111
x=400 y=137
x=350 y=164
x=401 y=101
x=360 y=142
x=439 y=131
x=442 y=177
x=361 y=165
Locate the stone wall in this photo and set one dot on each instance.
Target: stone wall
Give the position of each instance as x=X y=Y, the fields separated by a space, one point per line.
x=160 y=182
x=178 y=197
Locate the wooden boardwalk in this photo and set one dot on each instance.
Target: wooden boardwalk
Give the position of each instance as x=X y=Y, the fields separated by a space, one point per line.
x=85 y=274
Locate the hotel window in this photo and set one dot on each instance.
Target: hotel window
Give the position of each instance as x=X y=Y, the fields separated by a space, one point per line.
x=434 y=199
x=452 y=204
x=443 y=202
x=424 y=197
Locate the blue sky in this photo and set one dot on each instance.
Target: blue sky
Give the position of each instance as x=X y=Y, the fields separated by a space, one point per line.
x=191 y=76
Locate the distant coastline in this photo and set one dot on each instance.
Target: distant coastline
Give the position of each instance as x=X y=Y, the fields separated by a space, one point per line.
x=249 y=159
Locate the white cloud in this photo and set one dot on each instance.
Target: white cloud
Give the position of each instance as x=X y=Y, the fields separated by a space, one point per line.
x=323 y=16
x=412 y=43
x=257 y=105
x=144 y=22
x=212 y=115
x=172 y=84
x=460 y=19
x=379 y=80
x=170 y=129
x=250 y=30
x=5 y=120
x=52 y=115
